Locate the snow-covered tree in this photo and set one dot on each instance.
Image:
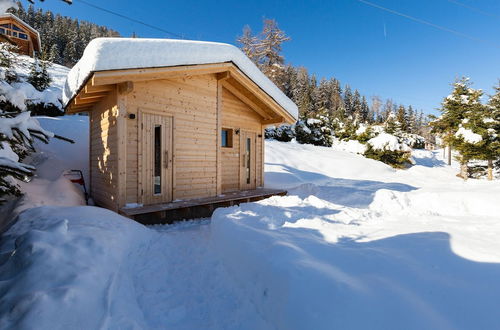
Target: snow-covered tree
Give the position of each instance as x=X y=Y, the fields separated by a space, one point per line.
x=456 y=110
x=348 y=101
x=314 y=131
x=389 y=149
x=283 y=133
x=38 y=76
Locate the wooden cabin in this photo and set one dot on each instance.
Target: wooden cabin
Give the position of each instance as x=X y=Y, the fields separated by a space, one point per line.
x=176 y=138
x=17 y=32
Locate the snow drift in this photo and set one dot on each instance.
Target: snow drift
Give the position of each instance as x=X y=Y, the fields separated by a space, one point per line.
x=66 y=268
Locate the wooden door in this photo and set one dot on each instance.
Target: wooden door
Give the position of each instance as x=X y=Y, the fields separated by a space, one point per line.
x=247 y=160
x=156 y=158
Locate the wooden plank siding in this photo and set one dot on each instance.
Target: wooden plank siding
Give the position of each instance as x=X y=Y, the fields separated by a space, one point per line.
x=197 y=107
x=103 y=156
x=191 y=102
x=236 y=115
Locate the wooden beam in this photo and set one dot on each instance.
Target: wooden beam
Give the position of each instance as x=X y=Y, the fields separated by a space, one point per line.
x=126 y=87
x=98 y=89
x=75 y=109
x=92 y=95
x=246 y=82
x=245 y=100
x=117 y=76
x=271 y=121
x=223 y=75
x=88 y=100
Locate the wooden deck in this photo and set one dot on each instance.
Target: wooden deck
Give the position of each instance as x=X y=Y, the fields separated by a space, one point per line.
x=195 y=208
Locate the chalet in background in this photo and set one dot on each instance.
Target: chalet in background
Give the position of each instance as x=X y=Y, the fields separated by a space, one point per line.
x=174 y=125
x=16 y=32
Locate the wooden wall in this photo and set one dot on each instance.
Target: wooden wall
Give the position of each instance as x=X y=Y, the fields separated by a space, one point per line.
x=103 y=153
x=238 y=115
x=191 y=101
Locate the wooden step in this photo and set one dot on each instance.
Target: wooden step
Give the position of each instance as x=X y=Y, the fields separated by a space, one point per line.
x=195 y=208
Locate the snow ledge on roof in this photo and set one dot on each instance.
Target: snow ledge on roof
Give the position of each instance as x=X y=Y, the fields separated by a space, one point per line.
x=134 y=53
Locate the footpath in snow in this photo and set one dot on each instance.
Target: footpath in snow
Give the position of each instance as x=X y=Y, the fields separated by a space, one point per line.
x=355 y=245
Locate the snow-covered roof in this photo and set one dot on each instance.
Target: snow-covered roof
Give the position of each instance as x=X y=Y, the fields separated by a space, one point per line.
x=132 y=53
x=26 y=25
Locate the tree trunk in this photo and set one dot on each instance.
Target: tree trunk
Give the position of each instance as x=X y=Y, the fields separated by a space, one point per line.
x=449 y=155
x=490 y=169
x=464 y=171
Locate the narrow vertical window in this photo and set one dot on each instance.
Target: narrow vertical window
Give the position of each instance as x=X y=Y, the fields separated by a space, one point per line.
x=226 y=138
x=157 y=161
x=248 y=153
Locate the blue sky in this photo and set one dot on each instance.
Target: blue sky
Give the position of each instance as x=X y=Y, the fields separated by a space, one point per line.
x=373 y=50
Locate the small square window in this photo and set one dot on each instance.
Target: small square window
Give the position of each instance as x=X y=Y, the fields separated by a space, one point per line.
x=227 y=138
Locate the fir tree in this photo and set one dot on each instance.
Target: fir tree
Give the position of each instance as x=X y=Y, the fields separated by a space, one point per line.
x=455 y=108
x=348 y=101
x=365 y=111
x=402 y=118
x=38 y=76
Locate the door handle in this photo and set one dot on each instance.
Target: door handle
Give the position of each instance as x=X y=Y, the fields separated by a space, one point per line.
x=166 y=158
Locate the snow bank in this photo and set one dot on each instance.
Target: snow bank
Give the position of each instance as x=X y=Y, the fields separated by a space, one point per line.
x=66 y=268
x=131 y=53
x=435 y=203
x=355 y=246
x=353 y=146
x=58 y=156
x=293 y=263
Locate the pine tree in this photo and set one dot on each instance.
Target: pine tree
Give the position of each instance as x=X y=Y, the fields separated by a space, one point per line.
x=301 y=93
x=38 y=76
x=491 y=125
x=454 y=110
x=365 y=111
x=412 y=121
x=55 y=54
x=401 y=117
x=356 y=104
x=348 y=101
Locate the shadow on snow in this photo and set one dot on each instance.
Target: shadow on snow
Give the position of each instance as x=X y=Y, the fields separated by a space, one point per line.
x=347 y=192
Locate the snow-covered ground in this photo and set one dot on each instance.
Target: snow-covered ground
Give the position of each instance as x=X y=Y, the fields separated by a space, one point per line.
x=355 y=245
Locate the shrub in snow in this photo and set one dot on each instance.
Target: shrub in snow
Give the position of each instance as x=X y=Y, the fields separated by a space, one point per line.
x=388 y=149
x=345 y=130
x=283 y=133
x=414 y=141
x=313 y=131
x=365 y=133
